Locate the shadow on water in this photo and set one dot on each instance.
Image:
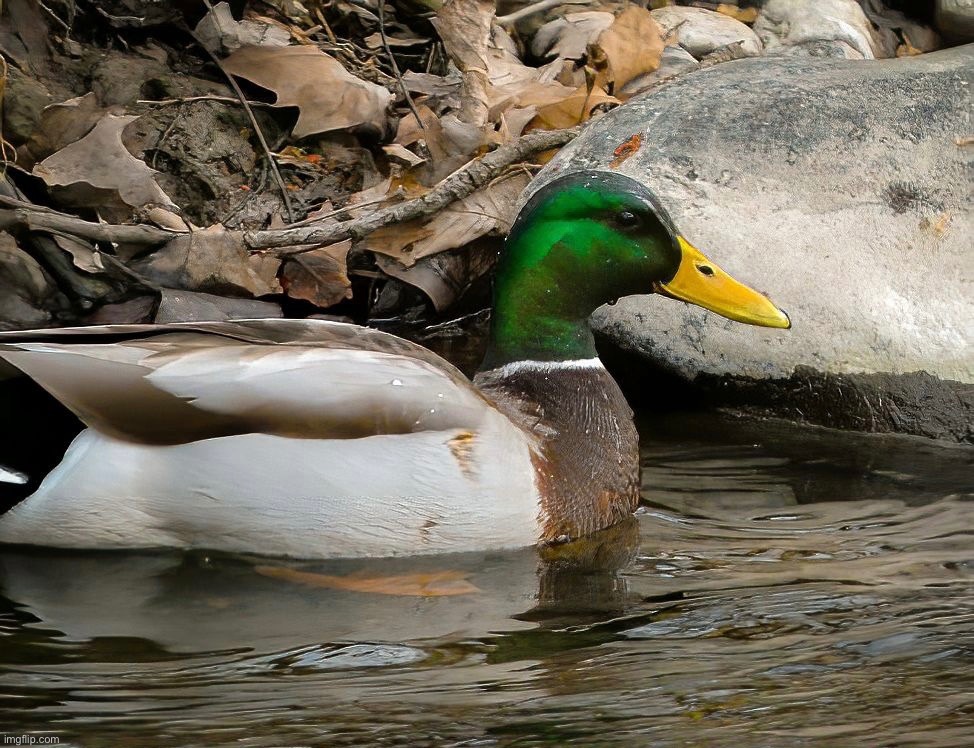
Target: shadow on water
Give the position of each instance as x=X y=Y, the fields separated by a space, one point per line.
x=779 y=587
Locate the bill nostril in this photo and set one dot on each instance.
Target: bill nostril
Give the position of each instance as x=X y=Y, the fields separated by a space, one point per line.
x=705 y=269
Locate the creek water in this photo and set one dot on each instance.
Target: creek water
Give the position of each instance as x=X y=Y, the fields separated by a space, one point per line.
x=781 y=586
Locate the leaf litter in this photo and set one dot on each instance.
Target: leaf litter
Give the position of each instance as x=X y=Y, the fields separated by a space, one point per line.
x=341 y=124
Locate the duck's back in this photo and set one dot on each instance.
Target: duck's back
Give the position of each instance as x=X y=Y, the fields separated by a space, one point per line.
x=303 y=438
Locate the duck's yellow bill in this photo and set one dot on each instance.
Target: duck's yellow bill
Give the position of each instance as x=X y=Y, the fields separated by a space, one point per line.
x=699 y=281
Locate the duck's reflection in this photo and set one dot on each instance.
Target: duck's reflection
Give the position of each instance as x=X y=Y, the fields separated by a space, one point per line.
x=199 y=603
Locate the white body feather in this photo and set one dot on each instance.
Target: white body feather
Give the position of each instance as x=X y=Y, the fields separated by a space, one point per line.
x=439 y=469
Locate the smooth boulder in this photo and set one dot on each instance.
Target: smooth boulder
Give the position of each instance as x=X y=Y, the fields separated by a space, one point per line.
x=841 y=189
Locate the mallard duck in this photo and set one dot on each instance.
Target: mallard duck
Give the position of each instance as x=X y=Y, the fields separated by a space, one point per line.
x=310 y=438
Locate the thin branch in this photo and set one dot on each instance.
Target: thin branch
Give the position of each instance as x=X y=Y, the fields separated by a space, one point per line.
x=34 y=219
x=395 y=65
x=208 y=97
x=250 y=113
x=458 y=185
x=511 y=18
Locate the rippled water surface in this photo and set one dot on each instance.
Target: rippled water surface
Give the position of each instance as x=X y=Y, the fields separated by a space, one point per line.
x=781 y=587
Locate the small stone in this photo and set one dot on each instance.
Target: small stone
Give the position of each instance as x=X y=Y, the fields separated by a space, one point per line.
x=828 y=28
x=701 y=32
x=955 y=19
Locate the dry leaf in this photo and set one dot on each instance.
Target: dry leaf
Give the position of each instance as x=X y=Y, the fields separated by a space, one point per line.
x=464 y=28
x=420 y=584
x=491 y=208
x=218 y=31
x=213 y=261
x=631 y=46
x=64 y=123
x=83 y=255
x=570 y=111
x=131 y=312
x=444 y=277
x=189 y=306
x=402 y=154
x=744 y=15
x=319 y=275
x=98 y=172
x=327 y=96
x=568 y=37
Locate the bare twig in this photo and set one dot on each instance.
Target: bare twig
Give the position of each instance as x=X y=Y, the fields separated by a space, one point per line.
x=250 y=113
x=457 y=186
x=460 y=184
x=540 y=7
x=208 y=97
x=395 y=65
x=35 y=218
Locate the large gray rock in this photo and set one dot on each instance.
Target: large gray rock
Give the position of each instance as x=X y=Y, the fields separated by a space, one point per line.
x=841 y=189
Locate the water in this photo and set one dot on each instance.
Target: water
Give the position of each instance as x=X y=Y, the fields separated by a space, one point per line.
x=781 y=587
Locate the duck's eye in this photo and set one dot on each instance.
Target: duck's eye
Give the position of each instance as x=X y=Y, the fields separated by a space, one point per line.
x=627 y=219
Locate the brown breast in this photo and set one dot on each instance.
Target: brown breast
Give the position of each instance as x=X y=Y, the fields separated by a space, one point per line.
x=588 y=449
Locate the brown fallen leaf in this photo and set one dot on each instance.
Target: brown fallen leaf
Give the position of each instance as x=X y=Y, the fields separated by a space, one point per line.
x=491 y=208
x=319 y=275
x=744 y=15
x=191 y=306
x=213 y=261
x=420 y=584
x=98 y=172
x=62 y=124
x=84 y=256
x=569 y=36
x=219 y=31
x=571 y=110
x=631 y=46
x=464 y=29
x=327 y=96
x=444 y=277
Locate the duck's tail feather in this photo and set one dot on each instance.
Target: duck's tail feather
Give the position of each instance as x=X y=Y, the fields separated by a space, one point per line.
x=9 y=475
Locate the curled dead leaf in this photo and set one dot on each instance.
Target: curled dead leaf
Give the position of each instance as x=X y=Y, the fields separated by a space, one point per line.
x=572 y=110
x=327 y=96
x=444 y=277
x=744 y=15
x=319 y=275
x=491 y=208
x=631 y=46
x=98 y=172
x=213 y=261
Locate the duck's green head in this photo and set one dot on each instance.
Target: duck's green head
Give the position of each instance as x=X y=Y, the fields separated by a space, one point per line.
x=587 y=239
